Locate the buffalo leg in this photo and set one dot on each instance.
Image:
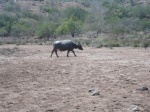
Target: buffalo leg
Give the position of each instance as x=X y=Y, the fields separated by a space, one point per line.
x=56 y=53
x=68 y=53
x=52 y=52
x=74 y=53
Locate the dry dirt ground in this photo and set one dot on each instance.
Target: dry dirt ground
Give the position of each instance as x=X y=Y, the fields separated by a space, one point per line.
x=32 y=81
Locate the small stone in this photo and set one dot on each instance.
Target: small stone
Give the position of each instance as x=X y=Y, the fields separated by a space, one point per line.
x=144 y=89
x=95 y=93
x=134 y=108
x=50 y=110
x=91 y=90
x=124 y=96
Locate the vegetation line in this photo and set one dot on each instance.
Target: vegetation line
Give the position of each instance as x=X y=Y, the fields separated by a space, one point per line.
x=124 y=22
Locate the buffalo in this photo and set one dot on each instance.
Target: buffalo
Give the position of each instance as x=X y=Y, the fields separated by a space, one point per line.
x=65 y=45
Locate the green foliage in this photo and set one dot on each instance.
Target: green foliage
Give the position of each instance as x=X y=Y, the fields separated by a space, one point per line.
x=11 y=7
x=145 y=24
x=23 y=27
x=6 y=21
x=116 y=17
x=29 y=14
x=119 y=30
x=83 y=42
x=135 y=43
x=61 y=30
x=95 y=15
x=46 y=30
x=146 y=44
x=97 y=42
x=4 y=1
x=120 y=1
x=7 y=16
x=115 y=13
x=106 y=4
x=105 y=42
x=49 y=9
x=3 y=32
x=76 y=12
x=141 y=12
x=117 y=42
x=71 y=26
x=85 y=3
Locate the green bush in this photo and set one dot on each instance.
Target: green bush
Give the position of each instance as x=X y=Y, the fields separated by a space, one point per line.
x=86 y=3
x=71 y=26
x=119 y=30
x=6 y=21
x=3 y=32
x=29 y=14
x=11 y=7
x=97 y=42
x=111 y=42
x=49 y=9
x=24 y=27
x=84 y=42
x=76 y=12
x=61 y=30
x=46 y=30
x=145 y=24
x=146 y=44
x=142 y=11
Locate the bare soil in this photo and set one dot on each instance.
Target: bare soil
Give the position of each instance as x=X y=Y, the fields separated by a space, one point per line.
x=32 y=81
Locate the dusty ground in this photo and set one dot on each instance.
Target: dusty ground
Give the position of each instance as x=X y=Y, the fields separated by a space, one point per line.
x=31 y=81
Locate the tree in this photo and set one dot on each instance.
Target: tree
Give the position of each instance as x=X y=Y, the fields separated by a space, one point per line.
x=145 y=24
x=95 y=20
x=71 y=26
x=76 y=12
x=6 y=21
x=46 y=30
x=141 y=12
x=23 y=27
x=61 y=30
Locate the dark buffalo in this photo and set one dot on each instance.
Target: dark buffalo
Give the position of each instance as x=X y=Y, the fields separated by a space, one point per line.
x=65 y=45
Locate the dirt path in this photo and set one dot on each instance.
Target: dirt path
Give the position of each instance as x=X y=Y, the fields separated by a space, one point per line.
x=31 y=81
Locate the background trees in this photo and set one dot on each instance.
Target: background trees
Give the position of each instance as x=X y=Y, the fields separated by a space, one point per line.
x=52 y=20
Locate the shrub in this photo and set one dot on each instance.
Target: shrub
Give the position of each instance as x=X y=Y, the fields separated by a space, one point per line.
x=76 y=12
x=84 y=42
x=46 y=30
x=145 y=24
x=6 y=21
x=146 y=44
x=11 y=7
x=86 y=3
x=29 y=14
x=24 y=27
x=49 y=9
x=97 y=42
x=3 y=32
x=71 y=26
